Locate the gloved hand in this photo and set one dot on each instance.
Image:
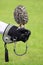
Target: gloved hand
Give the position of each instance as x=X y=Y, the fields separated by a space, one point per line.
x=21 y=35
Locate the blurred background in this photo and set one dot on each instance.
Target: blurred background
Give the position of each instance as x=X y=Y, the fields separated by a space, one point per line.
x=34 y=54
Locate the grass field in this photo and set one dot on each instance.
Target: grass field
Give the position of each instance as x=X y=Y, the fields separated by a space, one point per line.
x=34 y=54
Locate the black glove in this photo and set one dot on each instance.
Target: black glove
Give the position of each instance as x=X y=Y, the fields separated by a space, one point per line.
x=20 y=34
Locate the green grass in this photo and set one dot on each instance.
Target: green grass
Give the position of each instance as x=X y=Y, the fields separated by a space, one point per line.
x=34 y=54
